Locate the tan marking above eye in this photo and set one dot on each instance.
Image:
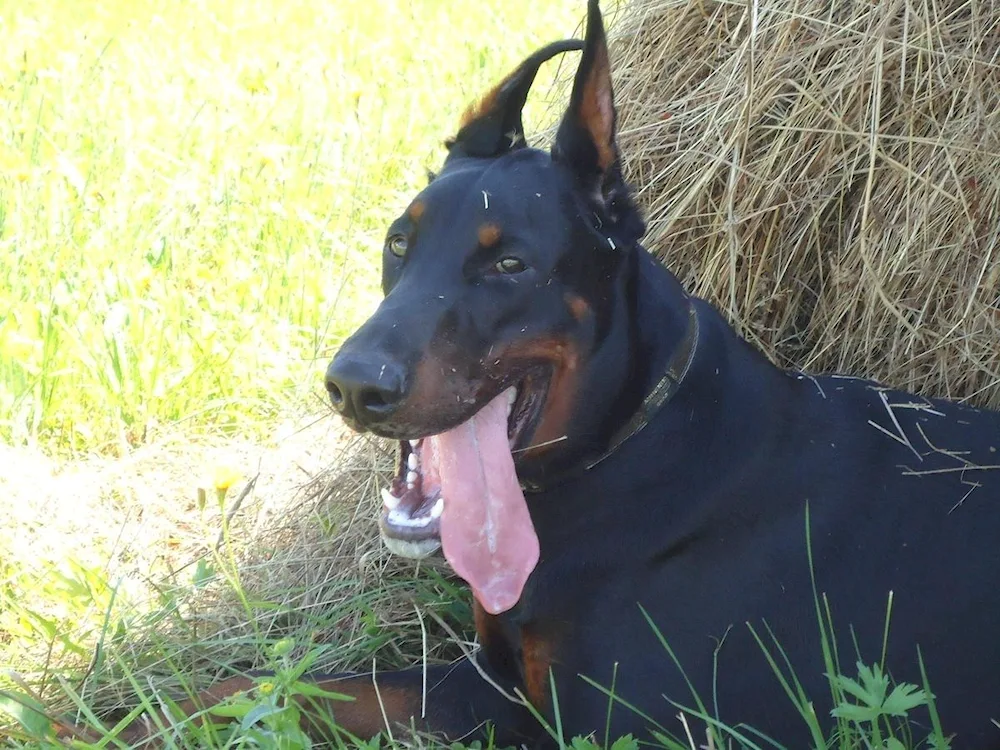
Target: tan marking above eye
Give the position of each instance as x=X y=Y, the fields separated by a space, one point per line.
x=416 y=210
x=489 y=234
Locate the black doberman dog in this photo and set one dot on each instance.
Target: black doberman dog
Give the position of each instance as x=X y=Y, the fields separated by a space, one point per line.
x=597 y=453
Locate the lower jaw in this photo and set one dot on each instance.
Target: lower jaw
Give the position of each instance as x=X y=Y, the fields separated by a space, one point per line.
x=416 y=550
x=417 y=541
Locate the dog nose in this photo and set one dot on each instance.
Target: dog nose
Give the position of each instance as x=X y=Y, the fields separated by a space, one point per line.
x=365 y=390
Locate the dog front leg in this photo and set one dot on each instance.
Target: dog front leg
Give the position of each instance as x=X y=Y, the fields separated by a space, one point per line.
x=459 y=703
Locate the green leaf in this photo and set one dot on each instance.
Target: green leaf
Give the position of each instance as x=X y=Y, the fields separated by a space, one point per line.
x=258 y=713
x=232 y=710
x=311 y=689
x=871 y=693
x=28 y=712
x=853 y=688
x=43 y=624
x=852 y=712
x=627 y=742
x=903 y=698
x=875 y=682
x=203 y=573
x=303 y=665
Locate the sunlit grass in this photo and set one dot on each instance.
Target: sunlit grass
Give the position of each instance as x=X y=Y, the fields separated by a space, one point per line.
x=193 y=198
x=194 y=194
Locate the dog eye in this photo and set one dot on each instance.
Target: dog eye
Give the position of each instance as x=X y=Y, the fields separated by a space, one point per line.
x=397 y=245
x=510 y=265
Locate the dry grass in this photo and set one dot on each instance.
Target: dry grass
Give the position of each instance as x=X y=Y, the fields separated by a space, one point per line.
x=131 y=573
x=829 y=175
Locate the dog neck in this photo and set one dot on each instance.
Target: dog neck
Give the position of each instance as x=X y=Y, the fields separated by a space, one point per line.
x=660 y=320
x=723 y=410
x=636 y=370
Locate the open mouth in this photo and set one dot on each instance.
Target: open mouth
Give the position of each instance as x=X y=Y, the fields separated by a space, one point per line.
x=414 y=502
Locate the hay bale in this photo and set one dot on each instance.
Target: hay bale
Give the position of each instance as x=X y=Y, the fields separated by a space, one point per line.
x=829 y=175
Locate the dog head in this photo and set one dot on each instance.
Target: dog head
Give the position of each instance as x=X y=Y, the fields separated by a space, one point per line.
x=496 y=340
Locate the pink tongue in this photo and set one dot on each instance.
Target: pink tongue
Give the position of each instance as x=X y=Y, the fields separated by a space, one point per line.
x=486 y=531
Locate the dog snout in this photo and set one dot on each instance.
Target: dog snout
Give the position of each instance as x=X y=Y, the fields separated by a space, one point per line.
x=365 y=390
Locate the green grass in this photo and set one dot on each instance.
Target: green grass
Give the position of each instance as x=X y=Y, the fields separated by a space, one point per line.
x=193 y=195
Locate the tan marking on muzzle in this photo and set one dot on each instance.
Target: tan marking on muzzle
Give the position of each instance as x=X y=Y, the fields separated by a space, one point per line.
x=560 y=402
x=438 y=397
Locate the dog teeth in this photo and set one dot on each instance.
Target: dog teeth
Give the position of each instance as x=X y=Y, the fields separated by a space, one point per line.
x=412 y=462
x=399 y=518
x=438 y=508
x=411 y=478
x=414 y=444
x=389 y=500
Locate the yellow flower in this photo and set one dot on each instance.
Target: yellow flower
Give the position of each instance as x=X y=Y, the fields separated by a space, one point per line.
x=224 y=477
x=266 y=688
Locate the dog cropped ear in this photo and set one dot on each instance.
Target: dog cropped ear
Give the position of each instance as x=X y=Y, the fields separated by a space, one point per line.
x=585 y=140
x=492 y=126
